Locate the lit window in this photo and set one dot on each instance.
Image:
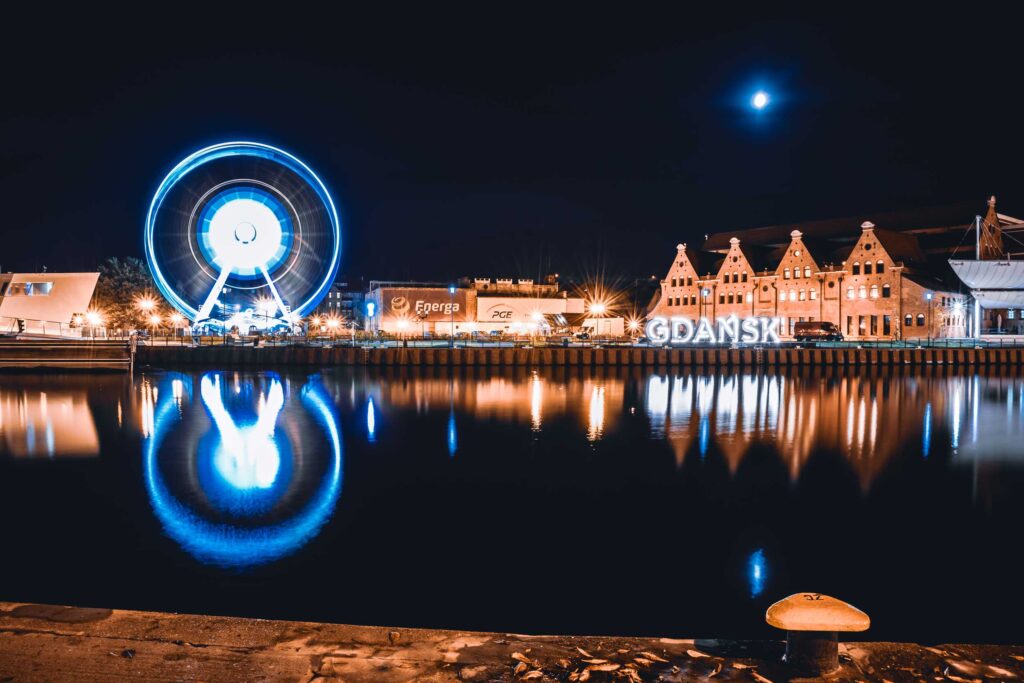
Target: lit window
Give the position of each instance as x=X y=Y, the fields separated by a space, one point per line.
x=796 y=272
x=807 y=271
x=782 y=295
x=849 y=293
x=29 y=289
x=785 y=274
x=874 y=291
x=803 y=295
x=796 y=252
x=1009 y=314
x=814 y=294
x=750 y=297
x=792 y=295
x=863 y=292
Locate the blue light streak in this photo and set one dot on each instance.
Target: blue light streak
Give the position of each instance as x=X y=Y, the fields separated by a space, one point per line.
x=757 y=572
x=371 y=421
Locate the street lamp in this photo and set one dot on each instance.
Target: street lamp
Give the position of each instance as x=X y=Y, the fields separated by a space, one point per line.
x=704 y=293
x=929 y=296
x=451 y=308
x=176 y=320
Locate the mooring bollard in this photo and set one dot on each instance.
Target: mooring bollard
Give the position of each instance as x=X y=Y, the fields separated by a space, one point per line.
x=812 y=622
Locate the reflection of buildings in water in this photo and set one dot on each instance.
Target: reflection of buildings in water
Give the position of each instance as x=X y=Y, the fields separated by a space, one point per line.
x=730 y=410
x=515 y=395
x=47 y=419
x=241 y=483
x=867 y=417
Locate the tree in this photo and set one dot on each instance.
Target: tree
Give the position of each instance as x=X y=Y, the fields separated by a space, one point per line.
x=123 y=281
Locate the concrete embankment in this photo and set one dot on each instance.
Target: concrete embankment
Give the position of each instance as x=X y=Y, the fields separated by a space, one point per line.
x=50 y=643
x=243 y=356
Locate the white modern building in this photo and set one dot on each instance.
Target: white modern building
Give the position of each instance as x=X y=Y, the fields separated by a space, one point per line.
x=44 y=303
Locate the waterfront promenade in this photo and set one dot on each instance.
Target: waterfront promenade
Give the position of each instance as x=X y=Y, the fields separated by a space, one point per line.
x=46 y=643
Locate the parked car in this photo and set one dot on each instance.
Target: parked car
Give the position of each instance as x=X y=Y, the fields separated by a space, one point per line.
x=818 y=330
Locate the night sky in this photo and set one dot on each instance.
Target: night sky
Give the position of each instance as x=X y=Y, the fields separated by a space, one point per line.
x=504 y=141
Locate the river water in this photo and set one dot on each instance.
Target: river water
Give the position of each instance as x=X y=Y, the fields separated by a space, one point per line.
x=614 y=501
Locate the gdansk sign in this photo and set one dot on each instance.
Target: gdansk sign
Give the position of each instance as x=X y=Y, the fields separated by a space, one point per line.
x=732 y=329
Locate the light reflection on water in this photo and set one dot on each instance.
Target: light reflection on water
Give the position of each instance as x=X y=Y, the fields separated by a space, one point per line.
x=726 y=474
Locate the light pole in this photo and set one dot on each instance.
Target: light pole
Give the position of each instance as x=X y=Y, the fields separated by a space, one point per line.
x=704 y=294
x=451 y=308
x=929 y=296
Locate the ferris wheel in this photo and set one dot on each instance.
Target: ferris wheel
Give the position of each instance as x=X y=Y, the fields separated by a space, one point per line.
x=243 y=235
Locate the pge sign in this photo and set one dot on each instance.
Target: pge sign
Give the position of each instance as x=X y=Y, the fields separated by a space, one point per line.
x=679 y=330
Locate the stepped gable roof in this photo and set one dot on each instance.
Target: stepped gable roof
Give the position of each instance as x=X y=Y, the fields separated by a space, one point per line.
x=700 y=260
x=955 y=216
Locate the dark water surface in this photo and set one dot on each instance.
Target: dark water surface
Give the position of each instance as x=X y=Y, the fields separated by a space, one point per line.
x=560 y=501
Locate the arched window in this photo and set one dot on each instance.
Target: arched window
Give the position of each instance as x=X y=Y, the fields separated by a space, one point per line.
x=792 y=295
x=856 y=267
x=874 y=291
x=886 y=291
x=909 y=320
x=849 y=293
x=879 y=267
x=731 y=299
x=796 y=272
x=867 y=267
x=785 y=274
x=743 y=277
x=750 y=297
x=814 y=294
x=920 y=319
x=807 y=271
x=803 y=295
x=863 y=292
x=782 y=295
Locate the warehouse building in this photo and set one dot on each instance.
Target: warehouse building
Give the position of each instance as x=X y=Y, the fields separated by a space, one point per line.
x=884 y=281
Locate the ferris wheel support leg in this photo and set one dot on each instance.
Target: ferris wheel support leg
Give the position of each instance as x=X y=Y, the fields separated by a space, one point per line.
x=211 y=298
x=285 y=313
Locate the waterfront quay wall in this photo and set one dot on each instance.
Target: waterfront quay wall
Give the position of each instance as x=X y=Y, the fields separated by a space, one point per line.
x=248 y=356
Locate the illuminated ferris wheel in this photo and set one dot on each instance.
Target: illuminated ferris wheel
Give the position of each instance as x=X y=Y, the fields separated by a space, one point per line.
x=243 y=235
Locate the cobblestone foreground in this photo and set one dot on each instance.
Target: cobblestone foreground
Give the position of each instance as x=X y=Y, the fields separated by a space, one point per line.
x=52 y=643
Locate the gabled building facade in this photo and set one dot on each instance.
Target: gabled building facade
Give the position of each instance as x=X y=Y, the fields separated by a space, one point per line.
x=873 y=284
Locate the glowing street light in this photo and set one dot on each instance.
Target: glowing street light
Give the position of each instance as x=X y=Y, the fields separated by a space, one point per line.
x=598 y=308
x=94 y=318
x=760 y=100
x=146 y=304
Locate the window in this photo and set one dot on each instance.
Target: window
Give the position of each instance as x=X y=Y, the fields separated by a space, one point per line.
x=796 y=252
x=862 y=327
x=814 y=294
x=867 y=268
x=796 y=272
x=886 y=291
x=675 y=282
x=849 y=293
x=721 y=298
x=886 y=325
x=730 y=297
x=909 y=320
x=920 y=319
x=807 y=271
x=782 y=295
x=1009 y=314
x=874 y=326
x=803 y=295
x=879 y=267
x=792 y=295
x=867 y=247
x=29 y=289
x=785 y=274
x=856 y=267
x=849 y=324
x=831 y=284
x=743 y=277
x=862 y=291
x=874 y=291
x=689 y=281
x=750 y=297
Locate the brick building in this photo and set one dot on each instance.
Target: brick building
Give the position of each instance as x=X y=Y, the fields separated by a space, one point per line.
x=883 y=282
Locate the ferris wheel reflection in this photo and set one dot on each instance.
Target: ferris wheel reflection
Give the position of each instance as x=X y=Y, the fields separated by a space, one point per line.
x=249 y=473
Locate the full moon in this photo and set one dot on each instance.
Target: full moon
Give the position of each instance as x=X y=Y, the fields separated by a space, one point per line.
x=759 y=100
